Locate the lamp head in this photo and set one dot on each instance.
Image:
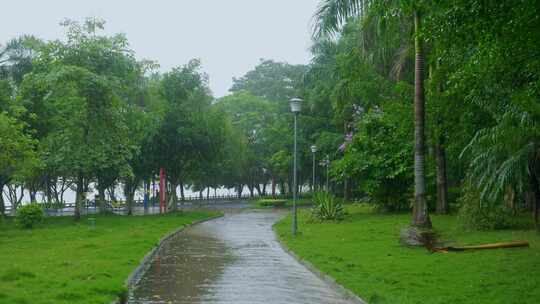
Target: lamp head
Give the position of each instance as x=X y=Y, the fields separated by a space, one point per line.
x=296 y=105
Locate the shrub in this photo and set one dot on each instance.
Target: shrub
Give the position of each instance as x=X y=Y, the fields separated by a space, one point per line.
x=474 y=216
x=30 y=215
x=272 y=202
x=478 y=215
x=327 y=207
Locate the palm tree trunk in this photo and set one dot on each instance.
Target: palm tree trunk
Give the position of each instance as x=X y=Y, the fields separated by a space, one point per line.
x=420 y=210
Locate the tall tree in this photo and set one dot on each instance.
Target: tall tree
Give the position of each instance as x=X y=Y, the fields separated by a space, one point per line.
x=82 y=85
x=17 y=154
x=330 y=17
x=181 y=136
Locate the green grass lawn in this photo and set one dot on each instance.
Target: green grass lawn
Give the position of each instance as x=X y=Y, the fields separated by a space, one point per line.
x=66 y=262
x=363 y=254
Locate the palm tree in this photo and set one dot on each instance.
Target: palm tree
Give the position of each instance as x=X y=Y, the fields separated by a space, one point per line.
x=508 y=155
x=329 y=18
x=16 y=57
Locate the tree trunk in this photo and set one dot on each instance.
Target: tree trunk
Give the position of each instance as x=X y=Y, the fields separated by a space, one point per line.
x=289 y=187
x=346 y=190
x=65 y=186
x=48 y=195
x=146 y=198
x=442 y=181
x=14 y=197
x=420 y=210
x=273 y=186
x=79 y=197
x=208 y=193
x=112 y=193
x=2 y=202
x=101 y=199
x=510 y=199
x=239 y=190
x=258 y=188
x=182 y=196
x=155 y=197
x=129 y=200
x=33 y=195
x=174 y=197
x=533 y=183
x=130 y=186
x=250 y=187
x=529 y=200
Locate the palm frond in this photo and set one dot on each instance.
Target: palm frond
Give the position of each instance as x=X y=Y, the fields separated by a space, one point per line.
x=503 y=153
x=332 y=14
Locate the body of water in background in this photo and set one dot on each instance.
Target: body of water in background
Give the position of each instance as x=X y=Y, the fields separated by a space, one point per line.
x=69 y=195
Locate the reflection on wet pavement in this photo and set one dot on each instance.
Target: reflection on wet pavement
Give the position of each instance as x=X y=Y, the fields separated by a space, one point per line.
x=234 y=259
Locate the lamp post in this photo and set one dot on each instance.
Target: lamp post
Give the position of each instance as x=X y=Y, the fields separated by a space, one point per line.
x=313 y=151
x=327 y=163
x=296 y=106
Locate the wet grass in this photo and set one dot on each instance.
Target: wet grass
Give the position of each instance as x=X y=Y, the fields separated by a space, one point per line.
x=363 y=254
x=66 y=262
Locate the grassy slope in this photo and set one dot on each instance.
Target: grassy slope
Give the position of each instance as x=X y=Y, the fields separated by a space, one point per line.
x=64 y=262
x=362 y=253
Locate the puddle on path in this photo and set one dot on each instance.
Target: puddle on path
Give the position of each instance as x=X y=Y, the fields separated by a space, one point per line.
x=234 y=259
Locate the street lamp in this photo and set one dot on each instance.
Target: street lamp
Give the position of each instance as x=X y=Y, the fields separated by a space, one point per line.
x=296 y=106
x=313 y=151
x=327 y=163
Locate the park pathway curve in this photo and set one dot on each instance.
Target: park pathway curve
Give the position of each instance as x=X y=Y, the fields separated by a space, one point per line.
x=235 y=259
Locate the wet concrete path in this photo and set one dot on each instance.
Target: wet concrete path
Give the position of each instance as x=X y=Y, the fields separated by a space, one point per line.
x=234 y=259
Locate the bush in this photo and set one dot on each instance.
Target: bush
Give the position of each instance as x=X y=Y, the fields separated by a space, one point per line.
x=30 y=215
x=327 y=207
x=272 y=202
x=476 y=215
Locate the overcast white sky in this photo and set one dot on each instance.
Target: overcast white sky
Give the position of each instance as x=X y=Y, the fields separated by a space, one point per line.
x=229 y=36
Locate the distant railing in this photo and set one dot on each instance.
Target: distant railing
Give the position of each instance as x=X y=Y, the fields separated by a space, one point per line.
x=120 y=205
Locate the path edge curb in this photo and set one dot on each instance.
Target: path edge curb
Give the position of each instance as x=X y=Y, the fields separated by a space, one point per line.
x=349 y=295
x=136 y=275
